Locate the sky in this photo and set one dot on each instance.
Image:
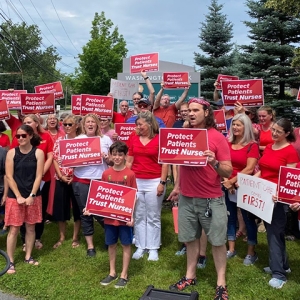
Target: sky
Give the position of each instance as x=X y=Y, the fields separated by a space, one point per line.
x=170 y=27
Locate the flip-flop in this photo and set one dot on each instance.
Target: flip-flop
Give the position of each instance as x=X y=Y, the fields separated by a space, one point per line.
x=11 y=269
x=58 y=244
x=75 y=244
x=31 y=261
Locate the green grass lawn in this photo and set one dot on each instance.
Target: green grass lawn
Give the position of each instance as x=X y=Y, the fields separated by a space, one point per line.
x=67 y=273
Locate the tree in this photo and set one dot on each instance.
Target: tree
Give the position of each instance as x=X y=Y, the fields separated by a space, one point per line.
x=290 y=7
x=270 y=54
x=101 y=57
x=215 y=36
x=20 y=51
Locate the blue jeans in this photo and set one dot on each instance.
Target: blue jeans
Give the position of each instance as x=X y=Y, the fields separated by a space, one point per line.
x=232 y=219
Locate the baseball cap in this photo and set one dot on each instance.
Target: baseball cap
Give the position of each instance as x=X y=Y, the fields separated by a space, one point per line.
x=144 y=100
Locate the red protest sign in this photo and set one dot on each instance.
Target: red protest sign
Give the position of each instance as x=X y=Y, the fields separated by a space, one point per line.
x=42 y=104
x=4 y=113
x=80 y=152
x=288 y=188
x=247 y=92
x=222 y=77
x=54 y=87
x=144 y=62
x=76 y=104
x=110 y=200
x=182 y=146
x=298 y=96
x=12 y=98
x=124 y=130
x=220 y=120
x=176 y=80
x=99 y=105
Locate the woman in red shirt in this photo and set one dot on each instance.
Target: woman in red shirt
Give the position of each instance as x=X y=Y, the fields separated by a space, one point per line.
x=151 y=179
x=279 y=153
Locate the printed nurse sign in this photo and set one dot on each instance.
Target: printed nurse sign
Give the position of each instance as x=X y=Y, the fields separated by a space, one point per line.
x=144 y=62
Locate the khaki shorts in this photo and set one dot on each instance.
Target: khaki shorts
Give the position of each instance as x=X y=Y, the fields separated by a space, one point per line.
x=191 y=220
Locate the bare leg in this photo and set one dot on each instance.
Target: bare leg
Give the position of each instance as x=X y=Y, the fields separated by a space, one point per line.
x=112 y=252
x=76 y=230
x=231 y=246
x=126 y=260
x=220 y=259
x=192 y=255
x=242 y=225
x=29 y=239
x=62 y=230
x=251 y=250
x=12 y=241
x=89 y=241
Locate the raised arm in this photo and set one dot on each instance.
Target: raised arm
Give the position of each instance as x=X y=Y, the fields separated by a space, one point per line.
x=183 y=96
x=216 y=92
x=158 y=96
x=149 y=86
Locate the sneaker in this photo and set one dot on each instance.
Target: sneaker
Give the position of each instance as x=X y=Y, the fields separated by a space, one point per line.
x=276 y=283
x=231 y=254
x=91 y=252
x=250 y=259
x=121 y=283
x=201 y=264
x=182 y=251
x=269 y=271
x=221 y=293
x=153 y=255
x=139 y=253
x=133 y=240
x=108 y=279
x=182 y=284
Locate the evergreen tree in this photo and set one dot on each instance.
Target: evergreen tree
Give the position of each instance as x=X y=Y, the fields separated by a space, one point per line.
x=270 y=54
x=215 y=36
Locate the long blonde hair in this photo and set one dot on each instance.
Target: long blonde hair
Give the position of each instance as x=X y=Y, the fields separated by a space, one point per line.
x=33 y=117
x=93 y=116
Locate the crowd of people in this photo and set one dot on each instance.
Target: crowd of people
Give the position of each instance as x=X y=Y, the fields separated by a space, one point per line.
x=35 y=185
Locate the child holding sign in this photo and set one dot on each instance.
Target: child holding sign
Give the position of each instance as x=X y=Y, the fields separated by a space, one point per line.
x=114 y=229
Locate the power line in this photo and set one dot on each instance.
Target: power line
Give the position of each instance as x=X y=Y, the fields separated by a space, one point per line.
x=63 y=26
x=15 y=10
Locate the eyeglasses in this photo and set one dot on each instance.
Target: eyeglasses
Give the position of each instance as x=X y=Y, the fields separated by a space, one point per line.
x=277 y=131
x=23 y=136
x=142 y=105
x=68 y=124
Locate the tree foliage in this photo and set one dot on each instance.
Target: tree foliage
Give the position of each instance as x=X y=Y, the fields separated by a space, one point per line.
x=101 y=57
x=215 y=35
x=20 y=51
x=289 y=7
x=270 y=54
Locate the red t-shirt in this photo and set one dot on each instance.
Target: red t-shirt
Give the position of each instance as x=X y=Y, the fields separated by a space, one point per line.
x=125 y=177
x=168 y=115
x=205 y=182
x=4 y=140
x=14 y=123
x=46 y=146
x=119 y=118
x=265 y=138
x=297 y=143
x=272 y=160
x=239 y=157
x=145 y=158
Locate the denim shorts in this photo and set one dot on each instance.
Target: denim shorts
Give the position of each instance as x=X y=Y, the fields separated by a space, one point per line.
x=113 y=233
x=192 y=219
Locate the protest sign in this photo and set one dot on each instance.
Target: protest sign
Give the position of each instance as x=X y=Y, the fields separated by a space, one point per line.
x=182 y=146
x=54 y=87
x=176 y=80
x=222 y=77
x=110 y=200
x=254 y=194
x=220 y=120
x=298 y=95
x=123 y=89
x=247 y=92
x=124 y=130
x=144 y=62
x=12 y=98
x=289 y=185
x=96 y=104
x=76 y=104
x=80 y=152
x=42 y=104
x=4 y=113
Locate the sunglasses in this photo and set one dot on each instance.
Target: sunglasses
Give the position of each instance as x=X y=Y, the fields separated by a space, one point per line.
x=142 y=105
x=23 y=136
x=68 y=124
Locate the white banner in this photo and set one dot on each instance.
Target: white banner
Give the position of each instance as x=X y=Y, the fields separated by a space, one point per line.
x=255 y=195
x=123 y=89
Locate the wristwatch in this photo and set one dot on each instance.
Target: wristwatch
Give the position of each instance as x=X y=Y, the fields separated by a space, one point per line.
x=216 y=166
x=32 y=195
x=163 y=182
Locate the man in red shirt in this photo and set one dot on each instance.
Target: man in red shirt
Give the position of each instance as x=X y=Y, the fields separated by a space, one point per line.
x=164 y=110
x=124 y=113
x=201 y=200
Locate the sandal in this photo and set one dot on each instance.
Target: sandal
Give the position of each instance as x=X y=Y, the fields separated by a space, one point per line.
x=31 y=261
x=11 y=269
x=58 y=244
x=240 y=234
x=38 y=244
x=75 y=244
